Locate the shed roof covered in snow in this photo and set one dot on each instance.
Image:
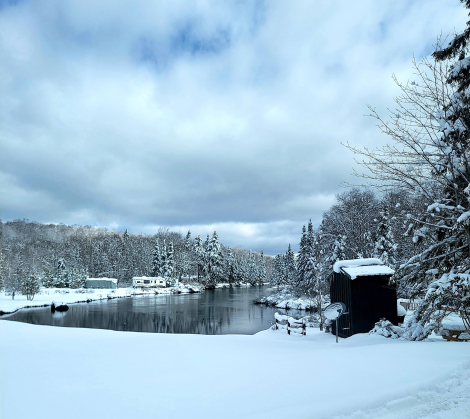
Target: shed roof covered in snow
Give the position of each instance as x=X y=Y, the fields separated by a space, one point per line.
x=362 y=267
x=102 y=279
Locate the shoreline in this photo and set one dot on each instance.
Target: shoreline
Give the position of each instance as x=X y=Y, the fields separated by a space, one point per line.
x=68 y=296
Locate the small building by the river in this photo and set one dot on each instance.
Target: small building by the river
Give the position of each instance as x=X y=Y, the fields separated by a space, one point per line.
x=101 y=283
x=363 y=285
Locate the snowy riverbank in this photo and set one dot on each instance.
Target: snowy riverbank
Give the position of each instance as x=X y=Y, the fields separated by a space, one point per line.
x=101 y=373
x=283 y=298
x=72 y=296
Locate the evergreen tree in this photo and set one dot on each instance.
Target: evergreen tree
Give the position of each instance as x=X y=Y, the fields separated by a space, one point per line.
x=278 y=277
x=47 y=278
x=30 y=286
x=199 y=251
x=157 y=257
x=302 y=258
x=4 y=269
x=230 y=266
x=169 y=267
x=290 y=267
x=213 y=258
x=163 y=263
x=252 y=271
x=385 y=248
x=261 y=269
x=62 y=280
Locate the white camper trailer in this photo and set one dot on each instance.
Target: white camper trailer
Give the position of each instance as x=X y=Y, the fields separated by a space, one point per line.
x=148 y=282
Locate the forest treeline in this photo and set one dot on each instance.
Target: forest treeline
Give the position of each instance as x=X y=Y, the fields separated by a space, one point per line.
x=64 y=256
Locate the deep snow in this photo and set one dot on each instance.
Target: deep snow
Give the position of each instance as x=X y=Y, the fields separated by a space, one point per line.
x=85 y=373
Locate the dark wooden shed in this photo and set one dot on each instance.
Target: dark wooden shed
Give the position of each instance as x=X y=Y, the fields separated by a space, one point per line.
x=363 y=286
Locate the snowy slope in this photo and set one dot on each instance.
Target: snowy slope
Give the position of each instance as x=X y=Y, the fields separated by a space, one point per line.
x=78 y=373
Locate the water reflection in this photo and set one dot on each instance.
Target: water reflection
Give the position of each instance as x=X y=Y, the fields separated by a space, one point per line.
x=224 y=311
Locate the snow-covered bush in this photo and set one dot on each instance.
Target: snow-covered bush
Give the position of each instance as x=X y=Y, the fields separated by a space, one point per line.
x=384 y=328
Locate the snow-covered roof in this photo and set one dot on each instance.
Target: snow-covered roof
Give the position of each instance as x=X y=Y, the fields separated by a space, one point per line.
x=103 y=279
x=148 y=277
x=362 y=267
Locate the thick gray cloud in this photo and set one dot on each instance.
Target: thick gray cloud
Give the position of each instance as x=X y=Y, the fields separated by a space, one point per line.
x=203 y=115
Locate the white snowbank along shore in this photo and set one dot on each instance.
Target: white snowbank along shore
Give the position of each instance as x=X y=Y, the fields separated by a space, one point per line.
x=71 y=296
x=86 y=373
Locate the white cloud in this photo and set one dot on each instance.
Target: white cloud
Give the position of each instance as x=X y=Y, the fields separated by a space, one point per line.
x=197 y=114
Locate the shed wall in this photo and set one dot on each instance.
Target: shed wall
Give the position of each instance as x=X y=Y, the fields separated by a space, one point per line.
x=373 y=299
x=340 y=292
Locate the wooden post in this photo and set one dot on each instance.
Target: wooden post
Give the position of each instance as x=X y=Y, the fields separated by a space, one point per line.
x=337 y=329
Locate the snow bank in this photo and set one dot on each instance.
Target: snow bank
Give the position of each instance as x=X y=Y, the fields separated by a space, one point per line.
x=270 y=375
x=82 y=295
x=284 y=299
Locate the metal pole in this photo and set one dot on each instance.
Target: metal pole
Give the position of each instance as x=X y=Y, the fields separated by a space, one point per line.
x=336 y=329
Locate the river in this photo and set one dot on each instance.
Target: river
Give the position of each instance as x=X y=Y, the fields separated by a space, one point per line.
x=212 y=312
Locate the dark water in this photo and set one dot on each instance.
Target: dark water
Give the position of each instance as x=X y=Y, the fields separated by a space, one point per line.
x=216 y=312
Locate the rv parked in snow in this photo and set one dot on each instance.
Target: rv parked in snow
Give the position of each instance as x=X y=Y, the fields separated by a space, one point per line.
x=148 y=282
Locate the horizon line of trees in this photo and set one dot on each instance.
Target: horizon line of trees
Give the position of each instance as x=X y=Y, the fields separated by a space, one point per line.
x=64 y=256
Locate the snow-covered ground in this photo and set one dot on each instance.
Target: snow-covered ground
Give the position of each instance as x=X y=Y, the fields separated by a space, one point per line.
x=70 y=296
x=85 y=373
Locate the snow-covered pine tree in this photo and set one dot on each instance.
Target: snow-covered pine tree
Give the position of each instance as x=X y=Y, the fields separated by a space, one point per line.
x=156 y=263
x=199 y=251
x=252 y=271
x=278 y=275
x=186 y=256
x=230 y=266
x=47 y=278
x=163 y=256
x=62 y=280
x=4 y=269
x=214 y=258
x=169 y=266
x=302 y=259
x=30 y=286
x=290 y=266
x=261 y=269
x=384 y=247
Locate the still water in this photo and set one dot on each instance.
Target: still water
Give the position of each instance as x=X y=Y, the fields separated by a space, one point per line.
x=214 y=312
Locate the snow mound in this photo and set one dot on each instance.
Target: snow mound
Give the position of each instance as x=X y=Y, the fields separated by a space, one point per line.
x=401 y=310
x=385 y=328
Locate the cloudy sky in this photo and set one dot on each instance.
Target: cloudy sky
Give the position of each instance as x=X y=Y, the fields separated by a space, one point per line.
x=223 y=115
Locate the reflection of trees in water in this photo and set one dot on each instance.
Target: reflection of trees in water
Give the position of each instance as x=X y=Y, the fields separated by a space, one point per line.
x=210 y=313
